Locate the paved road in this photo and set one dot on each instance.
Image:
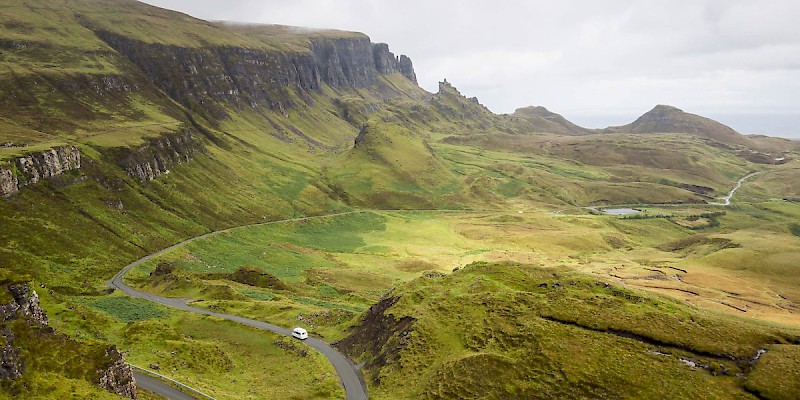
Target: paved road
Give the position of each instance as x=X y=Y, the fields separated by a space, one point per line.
x=739 y=184
x=727 y=199
x=348 y=374
x=144 y=381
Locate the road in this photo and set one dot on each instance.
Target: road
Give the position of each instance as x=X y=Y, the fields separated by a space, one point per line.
x=727 y=199
x=154 y=385
x=739 y=184
x=348 y=374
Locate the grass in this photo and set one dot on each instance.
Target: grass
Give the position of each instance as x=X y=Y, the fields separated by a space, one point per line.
x=348 y=262
x=549 y=332
x=295 y=157
x=128 y=309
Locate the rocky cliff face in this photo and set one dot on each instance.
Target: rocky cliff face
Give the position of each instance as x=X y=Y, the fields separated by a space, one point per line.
x=118 y=377
x=386 y=62
x=24 y=304
x=154 y=159
x=378 y=338
x=114 y=374
x=31 y=168
x=202 y=77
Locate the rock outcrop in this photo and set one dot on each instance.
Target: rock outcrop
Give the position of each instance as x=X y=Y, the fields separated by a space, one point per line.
x=204 y=78
x=9 y=185
x=114 y=374
x=155 y=158
x=118 y=377
x=31 y=168
x=386 y=62
x=378 y=338
x=10 y=357
x=24 y=304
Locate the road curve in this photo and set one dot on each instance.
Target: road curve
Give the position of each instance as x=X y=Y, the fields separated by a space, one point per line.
x=727 y=199
x=348 y=375
x=154 y=385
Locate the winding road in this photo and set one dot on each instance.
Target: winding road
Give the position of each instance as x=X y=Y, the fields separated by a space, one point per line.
x=349 y=377
x=348 y=374
x=727 y=199
x=739 y=184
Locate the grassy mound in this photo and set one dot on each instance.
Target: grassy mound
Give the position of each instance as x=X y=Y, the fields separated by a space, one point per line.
x=552 y=333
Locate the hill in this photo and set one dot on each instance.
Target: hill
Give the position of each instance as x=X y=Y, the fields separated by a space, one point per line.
x=438 y=337
x=545 y=121
x=668 y=119
x=125 y=128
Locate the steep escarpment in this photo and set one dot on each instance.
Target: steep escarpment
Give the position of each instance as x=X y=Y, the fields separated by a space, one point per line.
x=31 y=168
x=151 y=160
x=206 y=78
x=379 y=337
x=386 y=62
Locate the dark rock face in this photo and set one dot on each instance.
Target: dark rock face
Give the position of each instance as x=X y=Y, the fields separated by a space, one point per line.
x=10 y=357
x=154 y=159
x=24 y=305
x=118 y=377
x=379 y=337
x=201 y=78
x=386 y=62
x=34 y=167
x=407 y=68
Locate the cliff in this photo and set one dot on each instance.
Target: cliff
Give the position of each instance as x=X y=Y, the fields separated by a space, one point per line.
x=117 y=377
x=24 y=304
x=154 y=159
x=386 y=62
x=31 y=168
x=206 y=78
x=24 y=325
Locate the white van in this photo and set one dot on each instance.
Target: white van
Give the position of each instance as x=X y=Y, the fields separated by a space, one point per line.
x=300 y=333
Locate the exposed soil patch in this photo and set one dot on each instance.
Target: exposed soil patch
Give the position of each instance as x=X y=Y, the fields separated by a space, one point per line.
x=379 y=337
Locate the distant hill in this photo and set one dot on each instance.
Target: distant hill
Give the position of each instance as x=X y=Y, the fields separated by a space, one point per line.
x=668 y=119
x=543 y=120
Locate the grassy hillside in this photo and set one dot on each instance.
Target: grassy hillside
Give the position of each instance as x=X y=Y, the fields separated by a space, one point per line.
x=186 y=126
x=549 y=332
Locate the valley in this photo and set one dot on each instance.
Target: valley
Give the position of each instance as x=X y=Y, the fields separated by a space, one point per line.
x=176 y=194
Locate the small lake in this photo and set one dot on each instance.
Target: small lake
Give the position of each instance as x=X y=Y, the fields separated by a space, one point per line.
x=620 y=211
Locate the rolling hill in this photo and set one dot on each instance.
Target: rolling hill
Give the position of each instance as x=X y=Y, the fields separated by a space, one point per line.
x=126 y=128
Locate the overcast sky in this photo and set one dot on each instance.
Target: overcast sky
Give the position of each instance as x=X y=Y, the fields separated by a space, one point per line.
x=598 y=63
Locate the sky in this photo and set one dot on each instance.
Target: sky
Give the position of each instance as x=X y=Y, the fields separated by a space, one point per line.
x=598 y=63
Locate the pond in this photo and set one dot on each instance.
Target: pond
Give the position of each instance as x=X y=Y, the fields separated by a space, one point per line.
x=620 y=211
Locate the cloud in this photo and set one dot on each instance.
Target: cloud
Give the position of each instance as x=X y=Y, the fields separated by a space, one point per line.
x=581 y=58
